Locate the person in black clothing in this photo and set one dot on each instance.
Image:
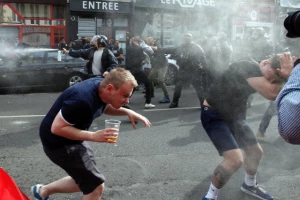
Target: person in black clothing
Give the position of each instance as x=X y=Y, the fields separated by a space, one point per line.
x=223 y=116
x=21 y=45
x=62 y=44
x=134 y=62
x=75 y=44
x=101 y=59
x=85 y=42
x=111 y=44
x=118 y=52
x=192 y=62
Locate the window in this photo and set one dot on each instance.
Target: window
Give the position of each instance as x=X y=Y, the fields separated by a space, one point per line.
x=32 y=10
x=121 y=22
x=58 y=12
x=33 y=58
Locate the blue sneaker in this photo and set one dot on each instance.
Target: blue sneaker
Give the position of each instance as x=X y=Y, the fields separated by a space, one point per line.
x=35 y=192
x=204 y=198
x=165 y=100
x=256 y=191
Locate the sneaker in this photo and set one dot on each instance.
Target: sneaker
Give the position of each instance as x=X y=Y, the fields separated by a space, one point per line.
x=165 y=100
x=204 y=198
x=149 y=105
x=173 y=105
x=260 y=136
x=35 y=192
x=256 y=191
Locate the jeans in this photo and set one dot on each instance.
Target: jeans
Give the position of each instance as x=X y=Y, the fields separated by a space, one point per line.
x=269 y=113
x=158 y=75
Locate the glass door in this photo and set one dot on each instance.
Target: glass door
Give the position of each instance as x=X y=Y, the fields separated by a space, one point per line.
x=58 y=34
x=104 y=27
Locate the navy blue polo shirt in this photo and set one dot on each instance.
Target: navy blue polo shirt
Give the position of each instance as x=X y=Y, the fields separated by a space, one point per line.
x=78 y=105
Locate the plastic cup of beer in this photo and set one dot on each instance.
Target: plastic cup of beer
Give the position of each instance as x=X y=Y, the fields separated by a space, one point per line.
x=112 y=123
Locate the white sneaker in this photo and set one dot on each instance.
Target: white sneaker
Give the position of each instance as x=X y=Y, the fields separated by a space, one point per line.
x=149 y=105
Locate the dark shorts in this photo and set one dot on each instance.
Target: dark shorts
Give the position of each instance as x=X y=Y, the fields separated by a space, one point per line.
x=79 y=162
x=226 y=134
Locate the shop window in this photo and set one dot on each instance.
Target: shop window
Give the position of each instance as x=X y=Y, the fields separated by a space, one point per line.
x=32 y=10
x=58 y=12
x=37 y=14
x=7 y=15
x=104 y=23
x=104 y=27
x=121 y=22
x=59 y=34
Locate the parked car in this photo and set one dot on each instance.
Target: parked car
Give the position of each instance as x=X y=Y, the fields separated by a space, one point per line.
x=172 y=71
x=41 y=70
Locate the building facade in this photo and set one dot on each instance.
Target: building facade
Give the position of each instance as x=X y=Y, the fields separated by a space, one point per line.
x=44 y=23
x=167 y=20
x=110 y=18
x=253 y=14
x=33 y=22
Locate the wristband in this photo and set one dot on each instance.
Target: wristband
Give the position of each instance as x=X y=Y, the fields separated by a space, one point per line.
x=297 y=62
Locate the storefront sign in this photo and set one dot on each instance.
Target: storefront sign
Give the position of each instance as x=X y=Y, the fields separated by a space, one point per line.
x=255 y=12
x=35 y=29
x=100 y=6
x=290 y=3
x=175 y=4
x=189 y=3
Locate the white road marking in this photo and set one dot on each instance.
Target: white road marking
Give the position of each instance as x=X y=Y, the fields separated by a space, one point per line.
x=21 y=116
x=163 y=109
x=147 y=110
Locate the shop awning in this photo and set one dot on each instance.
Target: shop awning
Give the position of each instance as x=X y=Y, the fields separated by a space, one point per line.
x=290 y=3
x=179 y=4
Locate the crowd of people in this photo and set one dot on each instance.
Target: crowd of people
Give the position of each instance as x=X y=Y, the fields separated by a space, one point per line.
x=223 y=80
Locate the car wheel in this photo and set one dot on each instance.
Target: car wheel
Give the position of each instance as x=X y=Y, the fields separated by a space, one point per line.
x=74 y=79
x=171 y=75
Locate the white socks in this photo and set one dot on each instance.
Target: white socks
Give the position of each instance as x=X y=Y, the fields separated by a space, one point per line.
x=250 y=180
x=212 y=192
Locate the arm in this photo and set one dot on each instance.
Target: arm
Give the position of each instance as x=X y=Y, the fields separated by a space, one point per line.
x=109 y=62
x=113 y=62
x=120 y=57
x=288 y=106
x=154 y=48
x=170 y=50
x=133 y=116
x=61 y=128
x=264 y=87
x=80 y=53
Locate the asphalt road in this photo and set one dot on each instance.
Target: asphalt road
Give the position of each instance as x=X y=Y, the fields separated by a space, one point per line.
x=172 y=160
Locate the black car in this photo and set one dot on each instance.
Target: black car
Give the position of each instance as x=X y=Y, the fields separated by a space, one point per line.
x=40 y=70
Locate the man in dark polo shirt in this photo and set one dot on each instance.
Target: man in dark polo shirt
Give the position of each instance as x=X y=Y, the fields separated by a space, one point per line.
x=64 y=132
x=223 y=118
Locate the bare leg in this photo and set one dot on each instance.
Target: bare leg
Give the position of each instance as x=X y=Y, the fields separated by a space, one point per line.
x=96 y=194
x=252 y=158
x=233 y=160
x=64 y=185
x=68 y=185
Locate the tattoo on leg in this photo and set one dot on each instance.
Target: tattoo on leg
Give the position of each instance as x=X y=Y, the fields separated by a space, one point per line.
x=221 y=176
